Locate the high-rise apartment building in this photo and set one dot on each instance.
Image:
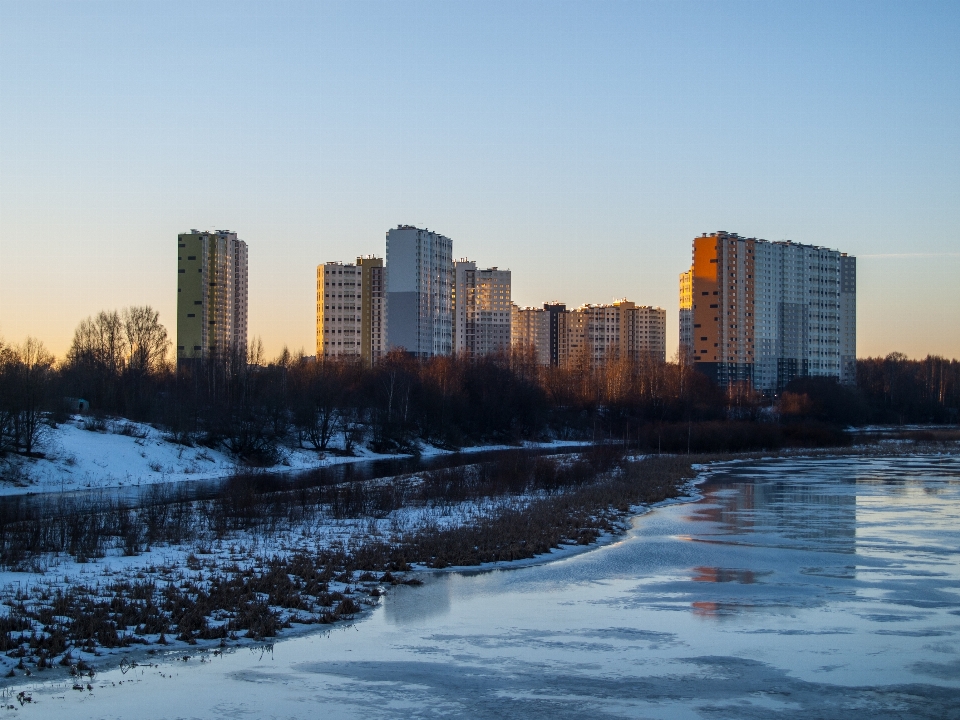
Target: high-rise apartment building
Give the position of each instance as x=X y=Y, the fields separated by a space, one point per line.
x=351 y=309
x=211 y=295
x=542 y=330
x=419 y=293
x=648 y=327
x=597 y=334
x=768 y=312
x=591 y=335
x=530 y=332
x=373 y=303
x=848 y=319
x=339 y=310
x=686 y=313
x=556 y=331
x=482 y=309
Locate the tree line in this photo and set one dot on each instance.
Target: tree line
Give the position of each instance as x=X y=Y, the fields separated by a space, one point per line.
x=251 y=405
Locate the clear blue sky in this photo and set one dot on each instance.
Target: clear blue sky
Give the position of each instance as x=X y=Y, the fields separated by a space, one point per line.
x=582 y=145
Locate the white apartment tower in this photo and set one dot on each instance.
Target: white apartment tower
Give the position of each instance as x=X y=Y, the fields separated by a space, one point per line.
x=481 y=309
x=419 y=291
x=768 y=312
x=212 y=290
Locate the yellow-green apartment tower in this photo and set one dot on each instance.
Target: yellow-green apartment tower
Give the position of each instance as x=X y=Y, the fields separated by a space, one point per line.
x=211 y=295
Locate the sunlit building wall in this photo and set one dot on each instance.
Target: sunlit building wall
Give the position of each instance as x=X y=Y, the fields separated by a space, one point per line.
x=482 y=309
x=339 y=310
x=597 y=334
x=768 y=312
x=686 y=312
x=530 y=332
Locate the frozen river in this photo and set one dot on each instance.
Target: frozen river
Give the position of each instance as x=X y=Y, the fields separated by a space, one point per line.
x=813 y=589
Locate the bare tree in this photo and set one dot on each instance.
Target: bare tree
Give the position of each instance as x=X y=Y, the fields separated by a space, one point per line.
x=145 y=339
x=99 y=342
x=6 y=398
x=25 y=379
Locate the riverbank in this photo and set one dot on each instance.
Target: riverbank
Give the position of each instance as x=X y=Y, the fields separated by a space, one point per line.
x=84 y=454
x=792 y=587
x=235 y=570
x=290 y=561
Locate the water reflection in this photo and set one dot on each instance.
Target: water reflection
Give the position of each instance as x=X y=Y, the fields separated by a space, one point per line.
x=793 y=509
x=791 y=589
x=412 y=606
x=725 y=575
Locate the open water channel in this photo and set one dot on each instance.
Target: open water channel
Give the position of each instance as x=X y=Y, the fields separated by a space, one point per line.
x=824 y=588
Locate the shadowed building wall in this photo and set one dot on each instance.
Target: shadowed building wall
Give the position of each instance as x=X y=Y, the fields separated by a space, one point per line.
x=419 y=291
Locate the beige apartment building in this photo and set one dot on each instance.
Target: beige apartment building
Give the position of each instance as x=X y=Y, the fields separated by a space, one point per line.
x=591 y=334
x=482 y=309
x=351 y=309
x=212 y=288
x=530 y=332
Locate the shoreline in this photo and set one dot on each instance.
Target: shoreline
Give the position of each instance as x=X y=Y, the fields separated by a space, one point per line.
x=110 y=658
x=145 y=460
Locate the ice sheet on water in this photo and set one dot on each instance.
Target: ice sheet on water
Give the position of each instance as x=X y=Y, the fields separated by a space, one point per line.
x=745 y=604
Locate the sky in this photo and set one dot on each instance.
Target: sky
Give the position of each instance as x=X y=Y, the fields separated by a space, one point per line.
x=583 y=145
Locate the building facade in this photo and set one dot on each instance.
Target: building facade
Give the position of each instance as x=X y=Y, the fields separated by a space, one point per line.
x=482 y=309
x=373 y=304
x=419 y=291
x=530 y=332
x=351 y=309
x=768 y=312
x=212 y=290
x=597 y=334
x=339 y=310
x=848 y=319
x=686 y=313
x=592 y=335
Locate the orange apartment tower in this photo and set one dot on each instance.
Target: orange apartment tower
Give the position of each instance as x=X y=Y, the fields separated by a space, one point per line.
x=722 y=294
x=768 y=312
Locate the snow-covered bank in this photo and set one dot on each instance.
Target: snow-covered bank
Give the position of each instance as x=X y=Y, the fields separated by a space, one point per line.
x=197 y=571
x=84 y=454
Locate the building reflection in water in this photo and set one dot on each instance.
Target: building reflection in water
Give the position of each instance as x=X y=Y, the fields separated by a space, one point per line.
x=725 y=575
x=784 y=509
x=819 y=515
